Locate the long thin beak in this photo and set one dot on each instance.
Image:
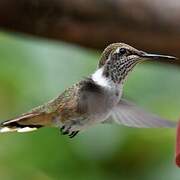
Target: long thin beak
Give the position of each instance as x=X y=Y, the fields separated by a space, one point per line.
x=157 y=56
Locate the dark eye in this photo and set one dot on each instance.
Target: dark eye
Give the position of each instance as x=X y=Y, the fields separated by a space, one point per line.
x=122 y=51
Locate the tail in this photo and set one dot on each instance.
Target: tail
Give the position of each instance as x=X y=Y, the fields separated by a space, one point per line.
x=26 y=123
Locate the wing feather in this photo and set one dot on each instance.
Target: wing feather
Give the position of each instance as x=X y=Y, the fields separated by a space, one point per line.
x=128 y=114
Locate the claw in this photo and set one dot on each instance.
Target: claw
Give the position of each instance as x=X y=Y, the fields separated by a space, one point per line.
x=62 y=127
x=67 y=130
x=63 y=131
x=74 y=133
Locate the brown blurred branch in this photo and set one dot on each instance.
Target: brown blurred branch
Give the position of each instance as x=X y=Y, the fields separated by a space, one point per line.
x=147 y=24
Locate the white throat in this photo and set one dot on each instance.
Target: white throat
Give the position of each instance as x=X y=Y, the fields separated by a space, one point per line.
x=100 y=79
x=104 y=82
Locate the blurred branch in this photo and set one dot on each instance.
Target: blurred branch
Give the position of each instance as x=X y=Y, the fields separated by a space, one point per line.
x=149 y=25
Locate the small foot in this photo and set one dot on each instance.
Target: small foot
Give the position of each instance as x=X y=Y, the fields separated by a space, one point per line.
x=66 y=130
x=73 y=134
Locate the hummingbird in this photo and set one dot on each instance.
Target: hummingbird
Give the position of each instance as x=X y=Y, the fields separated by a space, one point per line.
x=95 y=99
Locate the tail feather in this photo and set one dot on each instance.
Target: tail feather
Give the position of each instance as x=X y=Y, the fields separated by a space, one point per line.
x=25 y=123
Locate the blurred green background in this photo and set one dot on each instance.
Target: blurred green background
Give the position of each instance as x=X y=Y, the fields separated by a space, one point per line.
x=34 y=71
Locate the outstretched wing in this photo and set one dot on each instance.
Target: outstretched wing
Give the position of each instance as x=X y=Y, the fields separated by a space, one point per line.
x=128 y=114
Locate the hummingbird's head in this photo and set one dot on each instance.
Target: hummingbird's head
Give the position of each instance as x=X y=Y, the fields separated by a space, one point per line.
x=118 y=60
